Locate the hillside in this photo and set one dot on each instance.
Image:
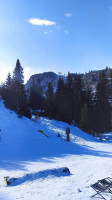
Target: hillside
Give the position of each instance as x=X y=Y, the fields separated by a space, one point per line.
x=20 y=137
x=29 y=155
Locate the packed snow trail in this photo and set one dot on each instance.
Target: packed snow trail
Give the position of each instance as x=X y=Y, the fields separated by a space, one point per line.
x=25 y=151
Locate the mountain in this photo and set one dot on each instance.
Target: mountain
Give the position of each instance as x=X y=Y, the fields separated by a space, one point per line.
x=44 y=79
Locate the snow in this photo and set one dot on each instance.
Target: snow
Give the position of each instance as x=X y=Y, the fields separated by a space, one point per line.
x=32 y=158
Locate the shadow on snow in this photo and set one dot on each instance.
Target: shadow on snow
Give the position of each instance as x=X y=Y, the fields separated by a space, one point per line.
x=19 y=161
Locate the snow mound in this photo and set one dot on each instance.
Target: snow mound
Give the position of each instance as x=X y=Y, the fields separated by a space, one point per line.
x=49 y=173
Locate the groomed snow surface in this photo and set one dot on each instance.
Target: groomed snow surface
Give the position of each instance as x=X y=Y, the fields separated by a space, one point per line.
x=30 y=156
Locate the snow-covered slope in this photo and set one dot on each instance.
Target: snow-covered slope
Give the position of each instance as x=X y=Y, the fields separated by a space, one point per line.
x=20 y=138
x=29 y=155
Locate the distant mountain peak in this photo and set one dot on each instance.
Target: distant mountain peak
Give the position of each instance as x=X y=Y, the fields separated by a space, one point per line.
x=44 y=79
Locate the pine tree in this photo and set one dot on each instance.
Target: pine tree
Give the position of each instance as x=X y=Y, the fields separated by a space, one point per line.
x=84 y=118
x=49 y=101
x=17 y=87
x=60 y=100
x=18 y=73
x=89 y=100
x=68 y=98
x=78 y=98
x=69 y=84
x=60 y=87
x=103 y=111
x=36 y=95
x=87 y=112
x=110 y=92
x=63 y=99
x=8 y=80
x=6 y=92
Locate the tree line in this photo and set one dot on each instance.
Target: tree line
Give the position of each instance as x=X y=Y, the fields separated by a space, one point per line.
x=76 y=103
x=72 y=102
x=13 y=92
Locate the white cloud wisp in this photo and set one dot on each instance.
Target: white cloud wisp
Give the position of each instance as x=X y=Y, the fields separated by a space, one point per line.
x=41 y=22
x=68 y=15
x=66 y=31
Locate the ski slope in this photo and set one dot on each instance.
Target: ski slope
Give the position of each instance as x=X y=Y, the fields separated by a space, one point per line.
x=30 y=156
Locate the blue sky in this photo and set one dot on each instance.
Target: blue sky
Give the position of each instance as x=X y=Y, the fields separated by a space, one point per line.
x=55 y=35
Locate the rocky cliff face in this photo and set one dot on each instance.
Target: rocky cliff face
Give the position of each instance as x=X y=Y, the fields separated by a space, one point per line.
x=44 y=79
